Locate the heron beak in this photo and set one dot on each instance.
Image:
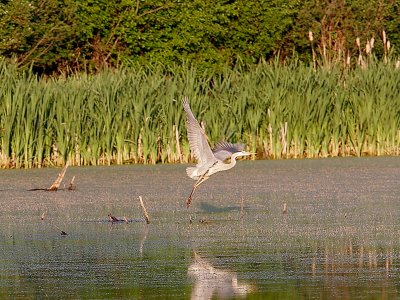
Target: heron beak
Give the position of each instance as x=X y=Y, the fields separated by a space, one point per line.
x=249 y=153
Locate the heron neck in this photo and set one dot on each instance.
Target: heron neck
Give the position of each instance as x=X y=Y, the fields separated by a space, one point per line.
x=232 y=163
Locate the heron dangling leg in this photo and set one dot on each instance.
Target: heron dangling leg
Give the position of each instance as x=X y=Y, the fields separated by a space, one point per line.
x=198 y=182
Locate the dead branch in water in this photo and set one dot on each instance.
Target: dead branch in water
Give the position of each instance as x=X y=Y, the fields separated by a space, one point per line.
x=145 y=214
x=56 y=184
x=72 y=186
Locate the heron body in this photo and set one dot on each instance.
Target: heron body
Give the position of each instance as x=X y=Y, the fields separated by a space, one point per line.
x=217 y=166
x=209 y=161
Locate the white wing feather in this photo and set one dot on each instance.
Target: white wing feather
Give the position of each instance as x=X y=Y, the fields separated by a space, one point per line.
x=197 y=139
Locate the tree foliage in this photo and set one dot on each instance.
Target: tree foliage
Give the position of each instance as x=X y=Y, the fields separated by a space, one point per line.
x=336 y=25
x=87 y=35
x=38 y=33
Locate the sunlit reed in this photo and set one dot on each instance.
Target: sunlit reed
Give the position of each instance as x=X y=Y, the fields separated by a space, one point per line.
x=134 y=115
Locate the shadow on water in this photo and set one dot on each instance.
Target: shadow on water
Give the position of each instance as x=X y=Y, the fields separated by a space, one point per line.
x=209 y=208
x=339 y=238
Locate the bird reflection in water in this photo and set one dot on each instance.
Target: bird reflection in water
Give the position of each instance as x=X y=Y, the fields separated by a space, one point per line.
x=210 y=282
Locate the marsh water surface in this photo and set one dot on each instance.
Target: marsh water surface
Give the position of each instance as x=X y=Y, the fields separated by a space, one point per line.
x=340 y=236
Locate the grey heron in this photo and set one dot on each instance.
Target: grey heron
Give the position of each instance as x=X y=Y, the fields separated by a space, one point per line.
x=209 y=161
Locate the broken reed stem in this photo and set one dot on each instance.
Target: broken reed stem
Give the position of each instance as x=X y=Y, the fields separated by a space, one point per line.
x=146 y=216
x=284 y=211
x=71 y=184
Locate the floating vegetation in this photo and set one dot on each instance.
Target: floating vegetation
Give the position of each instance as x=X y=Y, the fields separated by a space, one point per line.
x=134 y=115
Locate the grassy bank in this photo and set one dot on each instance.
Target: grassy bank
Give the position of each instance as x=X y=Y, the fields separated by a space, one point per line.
x=135 y=114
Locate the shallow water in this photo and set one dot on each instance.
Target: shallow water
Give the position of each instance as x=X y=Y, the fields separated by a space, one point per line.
x=340 y=237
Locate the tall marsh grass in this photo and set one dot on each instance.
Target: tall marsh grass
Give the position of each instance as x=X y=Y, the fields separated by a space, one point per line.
x=135 y=114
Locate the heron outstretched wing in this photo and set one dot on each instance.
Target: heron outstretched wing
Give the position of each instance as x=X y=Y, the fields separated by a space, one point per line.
x=197 y=138
x=224 y=150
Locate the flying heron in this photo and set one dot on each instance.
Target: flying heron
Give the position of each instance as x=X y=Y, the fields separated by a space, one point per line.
x=208 y=161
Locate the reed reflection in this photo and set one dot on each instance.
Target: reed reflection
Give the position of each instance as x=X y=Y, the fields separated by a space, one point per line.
x=210 y=282
x=353 y=257
x=371 y=270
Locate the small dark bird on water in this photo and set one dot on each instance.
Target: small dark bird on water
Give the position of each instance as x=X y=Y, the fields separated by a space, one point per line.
x=113 y=219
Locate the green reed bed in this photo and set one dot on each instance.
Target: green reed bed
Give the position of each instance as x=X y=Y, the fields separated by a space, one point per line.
x=135 y=115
